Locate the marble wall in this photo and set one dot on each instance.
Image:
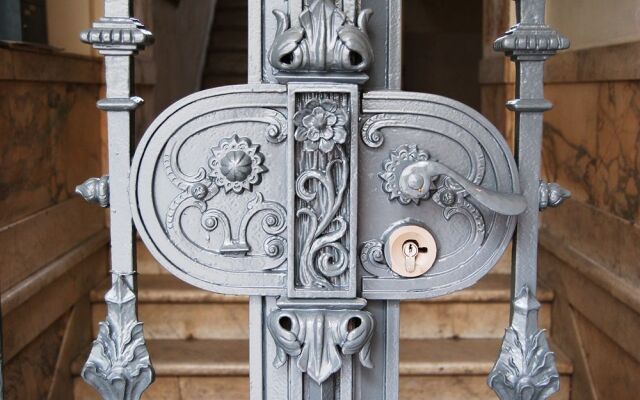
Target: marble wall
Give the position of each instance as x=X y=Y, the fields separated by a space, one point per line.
x=592 y=144
x=53 y=244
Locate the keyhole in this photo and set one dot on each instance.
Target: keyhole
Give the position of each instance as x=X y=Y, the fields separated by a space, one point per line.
x=410 y=248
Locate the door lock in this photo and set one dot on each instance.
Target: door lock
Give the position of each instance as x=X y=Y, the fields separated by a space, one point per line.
x=410 y=250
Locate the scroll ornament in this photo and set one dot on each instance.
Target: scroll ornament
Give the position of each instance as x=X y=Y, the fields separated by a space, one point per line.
x=326 y=40
x=318 y=339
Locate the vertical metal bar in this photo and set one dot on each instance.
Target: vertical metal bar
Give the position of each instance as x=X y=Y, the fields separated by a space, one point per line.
x=256 y=347
x=1 y=359
x=525 y=358
x=119 y=366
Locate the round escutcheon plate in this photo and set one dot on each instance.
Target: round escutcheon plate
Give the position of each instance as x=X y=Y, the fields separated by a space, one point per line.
x=206 y=190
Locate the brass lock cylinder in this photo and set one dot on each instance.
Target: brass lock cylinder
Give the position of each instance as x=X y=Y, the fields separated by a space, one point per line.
x=410 y=250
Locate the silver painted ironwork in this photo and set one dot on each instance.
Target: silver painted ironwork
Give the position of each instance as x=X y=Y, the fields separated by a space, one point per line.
x=552 y=195
x=118 y=366
x=526 y=368
x=420 y=173
x=320 y=338
x=324 y=40
x=95 y=190
x=293 y=189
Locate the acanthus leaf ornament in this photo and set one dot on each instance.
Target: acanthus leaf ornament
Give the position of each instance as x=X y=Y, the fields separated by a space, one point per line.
x=325 y=41
x=526 y=368
x=318 y=339
x=119 y=366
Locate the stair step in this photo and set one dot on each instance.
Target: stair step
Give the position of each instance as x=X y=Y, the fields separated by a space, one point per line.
x=172 y=309
x=203 y=366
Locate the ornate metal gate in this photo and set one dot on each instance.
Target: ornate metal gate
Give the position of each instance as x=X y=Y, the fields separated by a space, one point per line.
x=327 y=195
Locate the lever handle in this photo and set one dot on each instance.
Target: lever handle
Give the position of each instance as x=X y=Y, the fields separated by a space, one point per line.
x=416 y=178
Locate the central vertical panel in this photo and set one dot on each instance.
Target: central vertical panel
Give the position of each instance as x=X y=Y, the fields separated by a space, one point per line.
x=322 y=157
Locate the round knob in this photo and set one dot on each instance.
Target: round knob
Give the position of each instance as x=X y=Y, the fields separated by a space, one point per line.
x=415 y=181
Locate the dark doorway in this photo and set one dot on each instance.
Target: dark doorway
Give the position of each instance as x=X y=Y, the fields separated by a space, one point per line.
x=442 y=48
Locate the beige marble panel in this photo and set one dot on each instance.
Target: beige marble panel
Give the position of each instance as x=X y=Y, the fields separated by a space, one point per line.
x=592 y=144
x=29 y=65
x=593 y=23
x=586 y=236
x=50 y=143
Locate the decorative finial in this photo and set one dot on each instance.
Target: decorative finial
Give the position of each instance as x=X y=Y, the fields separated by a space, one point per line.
x=552 y=195
x=95 y=190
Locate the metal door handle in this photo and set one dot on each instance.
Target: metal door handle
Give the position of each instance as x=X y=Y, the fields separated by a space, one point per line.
x=415 y=181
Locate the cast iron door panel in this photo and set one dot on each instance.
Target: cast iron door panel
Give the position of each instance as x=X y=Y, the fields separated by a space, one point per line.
x=210 y=186
x=399 y=129
x=208 y=192
x=326 y=203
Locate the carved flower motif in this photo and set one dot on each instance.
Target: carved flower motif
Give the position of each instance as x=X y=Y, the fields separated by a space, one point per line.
x=236 y=164
x=398 y=160
x=321 y=124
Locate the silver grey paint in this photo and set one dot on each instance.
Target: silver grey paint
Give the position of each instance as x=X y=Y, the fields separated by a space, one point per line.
x=119 y=366
x=208 y=196
x=95 y=190
x=525 y=367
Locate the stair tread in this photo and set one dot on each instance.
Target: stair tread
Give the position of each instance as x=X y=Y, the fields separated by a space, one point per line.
x=168 y=289
x=417 y=357
x=164 y=288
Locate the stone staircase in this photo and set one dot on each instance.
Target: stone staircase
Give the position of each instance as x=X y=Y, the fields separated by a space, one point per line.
x=198 y=341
